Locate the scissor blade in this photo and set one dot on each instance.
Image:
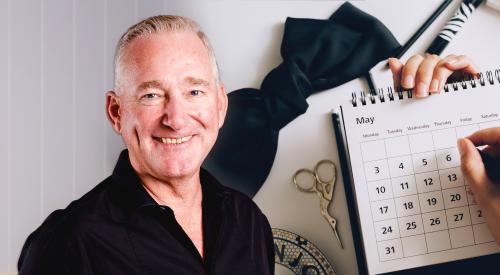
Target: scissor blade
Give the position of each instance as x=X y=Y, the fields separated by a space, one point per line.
x=333 y=224
x=338 y=239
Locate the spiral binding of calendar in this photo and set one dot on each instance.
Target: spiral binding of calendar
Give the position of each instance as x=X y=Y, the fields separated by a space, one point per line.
x=390 y=94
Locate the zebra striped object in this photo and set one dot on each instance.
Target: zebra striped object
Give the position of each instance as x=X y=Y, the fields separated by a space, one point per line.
x=457 y=21
x=454 y=25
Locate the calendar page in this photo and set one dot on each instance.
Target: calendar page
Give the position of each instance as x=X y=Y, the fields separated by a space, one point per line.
x=414 y=206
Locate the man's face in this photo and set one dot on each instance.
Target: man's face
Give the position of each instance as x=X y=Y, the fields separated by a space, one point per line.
x=170 y=107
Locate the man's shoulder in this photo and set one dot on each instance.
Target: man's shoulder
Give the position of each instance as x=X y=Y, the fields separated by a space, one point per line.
x=239 y=198
x=90 y=204
x=243 y=207
x=248 y=228
x=58 y=231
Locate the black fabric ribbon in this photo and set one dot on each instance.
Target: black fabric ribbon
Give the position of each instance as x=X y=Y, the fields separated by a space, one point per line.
x=317 y=55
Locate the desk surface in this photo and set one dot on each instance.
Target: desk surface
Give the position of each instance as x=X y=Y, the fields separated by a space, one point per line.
x=246 y=36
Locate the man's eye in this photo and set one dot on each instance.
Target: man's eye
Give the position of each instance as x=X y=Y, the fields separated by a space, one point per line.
x=195 y=92
x=151 y=96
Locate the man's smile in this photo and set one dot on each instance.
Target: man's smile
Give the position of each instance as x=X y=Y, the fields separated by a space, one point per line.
x=179 y=140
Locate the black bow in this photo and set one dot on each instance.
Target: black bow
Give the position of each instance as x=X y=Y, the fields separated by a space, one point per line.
x=317 y=55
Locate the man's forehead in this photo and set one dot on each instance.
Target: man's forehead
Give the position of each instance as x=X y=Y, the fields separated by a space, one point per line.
x=164 y=50
x=166 y=41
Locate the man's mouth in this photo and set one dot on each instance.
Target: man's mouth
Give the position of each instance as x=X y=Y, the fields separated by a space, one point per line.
x=180 y=140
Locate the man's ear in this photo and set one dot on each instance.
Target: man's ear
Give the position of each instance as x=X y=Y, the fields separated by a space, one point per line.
x=113 y=111
x=222 y=104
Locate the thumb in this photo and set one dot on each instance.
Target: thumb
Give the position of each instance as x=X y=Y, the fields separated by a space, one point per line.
x=462 y=62
x=471 y=162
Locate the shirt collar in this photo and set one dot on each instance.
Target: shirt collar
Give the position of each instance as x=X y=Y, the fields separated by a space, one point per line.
x=128 y=193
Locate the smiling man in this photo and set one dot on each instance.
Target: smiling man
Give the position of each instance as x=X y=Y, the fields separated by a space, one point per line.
x=159 y=212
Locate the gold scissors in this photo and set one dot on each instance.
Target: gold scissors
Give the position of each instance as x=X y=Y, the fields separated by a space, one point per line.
x=323 y=186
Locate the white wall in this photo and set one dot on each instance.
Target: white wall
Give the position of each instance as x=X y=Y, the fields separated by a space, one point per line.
x=56 y=144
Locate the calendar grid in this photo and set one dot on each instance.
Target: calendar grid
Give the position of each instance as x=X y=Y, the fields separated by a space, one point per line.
x=415 y=183
x=399 y=229
x=362 y=159
x=447 y=229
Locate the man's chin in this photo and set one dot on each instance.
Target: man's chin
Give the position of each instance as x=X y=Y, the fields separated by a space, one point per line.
x=170 y=169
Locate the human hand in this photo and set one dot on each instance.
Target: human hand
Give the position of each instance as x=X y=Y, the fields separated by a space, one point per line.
x=486 y=192
x=428 y=74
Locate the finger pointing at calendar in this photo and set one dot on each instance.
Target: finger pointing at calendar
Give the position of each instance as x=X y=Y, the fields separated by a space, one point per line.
x=428 y=74
x=486 y=192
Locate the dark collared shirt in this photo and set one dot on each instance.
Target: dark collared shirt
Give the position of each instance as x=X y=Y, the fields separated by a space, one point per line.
x=117 y=228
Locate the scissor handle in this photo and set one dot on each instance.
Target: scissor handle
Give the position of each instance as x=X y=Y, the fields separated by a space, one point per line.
x=327 y=184
x=311 y=188
x=317 y=173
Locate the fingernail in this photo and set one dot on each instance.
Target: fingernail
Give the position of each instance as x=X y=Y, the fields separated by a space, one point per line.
x=461 y=146
x=452 y=61
x=441 y=85
x=408 y=82
x=434 y=86
x=421 y=90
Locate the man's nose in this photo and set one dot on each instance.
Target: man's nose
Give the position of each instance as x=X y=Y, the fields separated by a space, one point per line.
x=175 y=113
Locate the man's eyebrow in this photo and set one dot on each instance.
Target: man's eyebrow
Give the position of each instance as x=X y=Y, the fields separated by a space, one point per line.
x=153 y=84
x=197 y=81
